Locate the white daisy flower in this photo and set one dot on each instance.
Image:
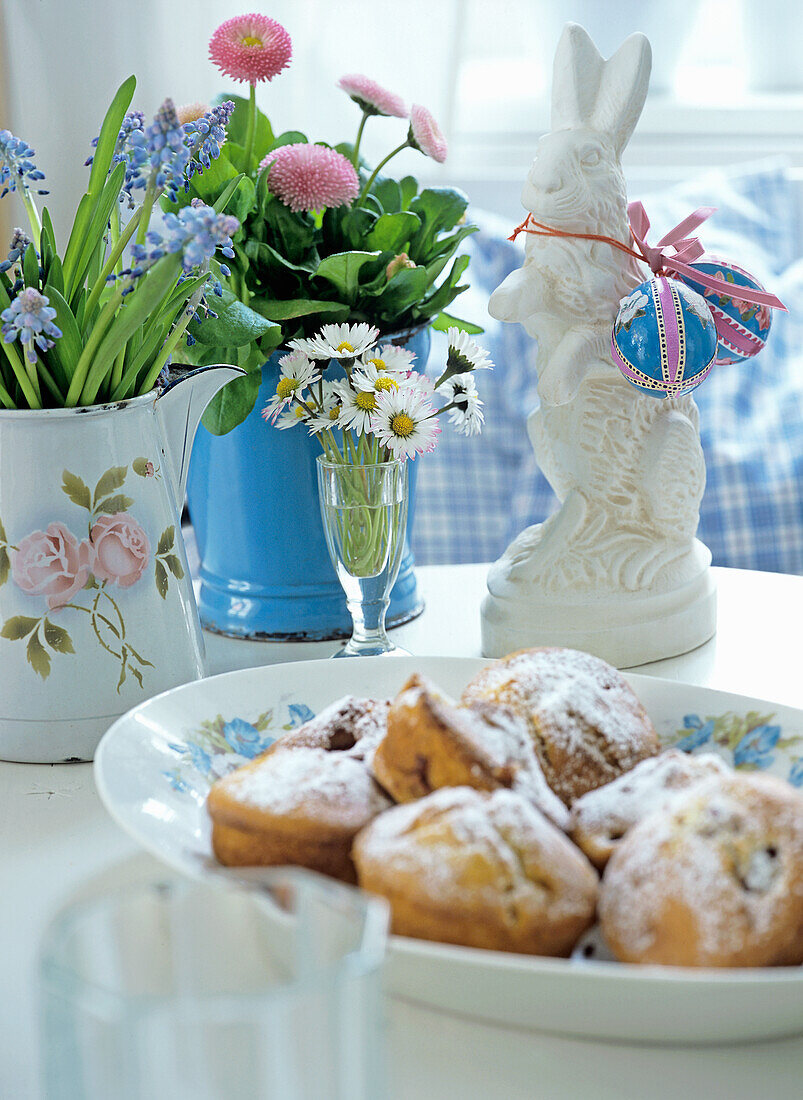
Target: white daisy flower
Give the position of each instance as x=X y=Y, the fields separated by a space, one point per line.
x=369 y=378
x=467 y=415
x=405 y=422
x=389 y=359
x=297 y=372
x=292 y=417
x=338 y=341
x=465 y=354
x=356 y=407
x=327 y=412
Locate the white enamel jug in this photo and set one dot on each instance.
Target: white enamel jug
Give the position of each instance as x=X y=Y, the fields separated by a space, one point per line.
x=97 y=611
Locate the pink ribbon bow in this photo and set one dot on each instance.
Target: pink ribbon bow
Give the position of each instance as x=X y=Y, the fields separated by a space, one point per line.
x=685 y=250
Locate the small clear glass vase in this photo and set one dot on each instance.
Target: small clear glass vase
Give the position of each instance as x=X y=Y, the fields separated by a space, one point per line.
x=364 y=511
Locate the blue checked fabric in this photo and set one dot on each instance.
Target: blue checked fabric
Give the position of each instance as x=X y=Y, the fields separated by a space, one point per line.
x=474 y=495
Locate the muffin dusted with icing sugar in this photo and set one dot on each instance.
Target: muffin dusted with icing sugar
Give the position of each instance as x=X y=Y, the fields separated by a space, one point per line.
x=482 y=869
x=432 y=743
x=603 y=817
x=586 y=724
x=715 y=879
x=303 y=806
x=352 y=725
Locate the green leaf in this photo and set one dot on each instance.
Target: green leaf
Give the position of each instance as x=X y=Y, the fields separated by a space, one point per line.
x=289 y=137
x=30 y=267
x=101 y=162
x=167 y=540
x=175 y=567
x=48 y=231
x=236 y=156
x=107 y=138
x=405 y=288
x=238 y=125
x=389 y=194
x=5 y=565
x=213 y=179
x=446 y=321
x=448 y=290
x=299 y=307
x=140 y=467
x=83 y=216
x=111 y=505
x=222 y=201
x=114 y=478
x=76 y=490
x=58 y=638
x=231 y=405
x=66 y=351
x=107 y=201
x=343 y=271
x=18 y=627
x=234 y=325
x=409 y=190
x=242 y=201
x=439 y=208
x=3 y=536
x=55 y=277
x=38 y=657
x=161 y=580
x=147 y=298
x=391 y=231
x=290 y=234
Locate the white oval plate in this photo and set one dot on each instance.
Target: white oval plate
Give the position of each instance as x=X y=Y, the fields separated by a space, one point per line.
x=155 y=765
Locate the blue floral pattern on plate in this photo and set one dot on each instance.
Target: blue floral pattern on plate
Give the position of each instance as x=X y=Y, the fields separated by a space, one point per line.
x=746 y=741
x=220 y=745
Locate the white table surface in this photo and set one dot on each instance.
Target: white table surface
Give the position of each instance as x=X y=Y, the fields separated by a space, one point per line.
x=57 y=840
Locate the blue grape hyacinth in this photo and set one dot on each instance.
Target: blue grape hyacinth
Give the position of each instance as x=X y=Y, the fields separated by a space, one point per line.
x=19 y=242
x=158 y=154
x=206 y=135
x=30 y=318
x=16 y=166
x=198 y=231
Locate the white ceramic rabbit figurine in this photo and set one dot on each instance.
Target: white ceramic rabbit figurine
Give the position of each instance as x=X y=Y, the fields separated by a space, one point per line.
x=616 y=570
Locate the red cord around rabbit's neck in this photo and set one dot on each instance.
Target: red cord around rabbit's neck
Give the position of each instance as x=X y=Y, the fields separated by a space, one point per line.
x=550 y=231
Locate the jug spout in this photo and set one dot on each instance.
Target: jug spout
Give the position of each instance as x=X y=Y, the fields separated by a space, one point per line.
x=180 y=407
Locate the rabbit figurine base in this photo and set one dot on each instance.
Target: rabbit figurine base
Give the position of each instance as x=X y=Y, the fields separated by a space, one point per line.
x=616 y=570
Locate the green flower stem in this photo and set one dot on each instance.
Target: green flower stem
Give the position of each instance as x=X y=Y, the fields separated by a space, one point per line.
x=365 y=530
x=114 y=256
x=250 y=130
x=33 y=216
x=355 y=156
x=28 y=389
x=145 y=210
x=103 y=322
x=5 y=397
x=404 y=145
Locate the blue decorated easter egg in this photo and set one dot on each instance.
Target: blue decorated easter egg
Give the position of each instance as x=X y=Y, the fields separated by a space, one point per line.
x=742 y=327
x=663 y=339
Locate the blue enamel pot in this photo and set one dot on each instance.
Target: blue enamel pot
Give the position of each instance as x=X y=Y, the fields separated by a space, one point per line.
x=253 y=500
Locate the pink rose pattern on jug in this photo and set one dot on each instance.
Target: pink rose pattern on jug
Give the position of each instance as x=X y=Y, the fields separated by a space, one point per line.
x=69 y=573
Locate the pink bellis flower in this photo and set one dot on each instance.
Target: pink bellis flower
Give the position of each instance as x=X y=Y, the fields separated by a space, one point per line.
x=310 y=177
x=251 y=48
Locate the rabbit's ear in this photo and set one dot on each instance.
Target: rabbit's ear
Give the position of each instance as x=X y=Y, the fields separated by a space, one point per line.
x=576 y=77
x=622 y=90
